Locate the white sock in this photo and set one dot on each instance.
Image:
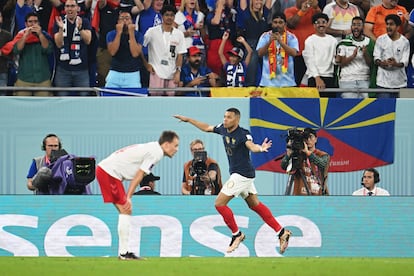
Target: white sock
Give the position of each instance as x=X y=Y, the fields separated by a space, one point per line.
x=124 y=224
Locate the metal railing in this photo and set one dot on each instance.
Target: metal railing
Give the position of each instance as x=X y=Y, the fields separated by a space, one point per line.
x=100 y=91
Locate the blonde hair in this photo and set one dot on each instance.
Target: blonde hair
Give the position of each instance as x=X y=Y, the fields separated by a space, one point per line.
x=258 y=16
x=183 y=2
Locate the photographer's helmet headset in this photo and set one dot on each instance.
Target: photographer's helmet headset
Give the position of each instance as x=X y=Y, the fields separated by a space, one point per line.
x=376 y=175
x=43 y=147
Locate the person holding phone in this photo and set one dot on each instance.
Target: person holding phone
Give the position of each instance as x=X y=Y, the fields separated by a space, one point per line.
x=33 y=46
x=278 y=48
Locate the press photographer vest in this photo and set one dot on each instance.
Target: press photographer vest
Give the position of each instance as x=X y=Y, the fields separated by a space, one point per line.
x=299 y=187
x=216 y=185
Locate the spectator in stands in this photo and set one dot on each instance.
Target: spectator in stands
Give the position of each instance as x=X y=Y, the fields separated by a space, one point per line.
x=194 y=74
x=222 y=19
x=104 y=20
x=34 y=48
x=235 y=68
x=363 y=6
x=278 y=48
x=49 y=143
x=105 y=17
x=319 y=54
x=299 y=22
x=149 y=17
x=131 y=163
x=190 y=20
x=251 y=23
x=72 y=35
x=355 y=59
x=147 y=185
x=125 y=46
x=5 y=37
x=375 y=20
x=369 y=182
x=340 y=13
x=165 y=49
x=209 y=183
x=391 y=55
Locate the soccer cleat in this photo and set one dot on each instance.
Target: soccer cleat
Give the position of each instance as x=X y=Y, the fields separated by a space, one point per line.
x=235 y=241
x=284 y=236
x=129 y=256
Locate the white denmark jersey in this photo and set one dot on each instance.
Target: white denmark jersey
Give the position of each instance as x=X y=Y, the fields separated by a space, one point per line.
x=124 y=163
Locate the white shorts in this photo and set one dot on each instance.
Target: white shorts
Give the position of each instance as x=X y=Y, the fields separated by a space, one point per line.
x=239 y=185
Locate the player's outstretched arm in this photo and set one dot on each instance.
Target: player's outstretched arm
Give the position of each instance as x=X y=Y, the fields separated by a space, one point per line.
x=264 y=147
x=200 y=125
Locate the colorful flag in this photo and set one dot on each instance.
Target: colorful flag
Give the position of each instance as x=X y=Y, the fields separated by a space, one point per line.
x=357 y=133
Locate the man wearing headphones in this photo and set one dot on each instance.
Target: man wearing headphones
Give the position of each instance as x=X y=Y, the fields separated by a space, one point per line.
x=50 y=142
x=369 y=180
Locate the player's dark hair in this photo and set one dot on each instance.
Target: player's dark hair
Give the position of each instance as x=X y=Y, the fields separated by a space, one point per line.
x=167 y=136
x=395 y=18
x=234 y=110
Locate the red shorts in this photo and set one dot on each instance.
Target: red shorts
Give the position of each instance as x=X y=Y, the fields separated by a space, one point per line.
x=112 y=188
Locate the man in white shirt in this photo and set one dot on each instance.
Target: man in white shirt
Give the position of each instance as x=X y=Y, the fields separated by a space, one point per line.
x=391 y=55
x=131 y=163
x=369 y=180
x=166 y=45
x=319 y=54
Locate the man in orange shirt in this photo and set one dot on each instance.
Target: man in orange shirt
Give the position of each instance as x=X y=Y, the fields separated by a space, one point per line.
x=299 y=22
x=375 y=20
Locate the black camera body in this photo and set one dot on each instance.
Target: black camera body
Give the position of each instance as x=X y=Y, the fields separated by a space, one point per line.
x=197 y=169
x=296 y=138
x=199 y=165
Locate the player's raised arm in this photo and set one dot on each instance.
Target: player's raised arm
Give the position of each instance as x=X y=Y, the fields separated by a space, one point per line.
x=200 y=125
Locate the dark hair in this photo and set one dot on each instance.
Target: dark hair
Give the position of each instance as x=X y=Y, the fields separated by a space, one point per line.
x=29 y=15
x=395 y=18
x=124 y=11
x=279 y=15
x=358 y=18
x=168 y=8
x=315 y=17
x=167 y=136
x=234 y=110
x=308 y=131
x=48 y=136
x=376 y=174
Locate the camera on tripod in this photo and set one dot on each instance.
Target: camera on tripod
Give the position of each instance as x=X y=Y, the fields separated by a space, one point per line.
x=295 y=139
x=198 y=168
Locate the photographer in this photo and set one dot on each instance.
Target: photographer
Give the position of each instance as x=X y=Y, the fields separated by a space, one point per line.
x=201 y=174
x=307 y=165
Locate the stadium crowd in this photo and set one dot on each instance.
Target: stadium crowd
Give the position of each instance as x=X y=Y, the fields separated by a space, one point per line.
x=206 y=43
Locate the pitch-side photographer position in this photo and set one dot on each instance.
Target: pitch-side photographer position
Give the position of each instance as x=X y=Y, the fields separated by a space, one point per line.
x=307 y=166
x=201 y=174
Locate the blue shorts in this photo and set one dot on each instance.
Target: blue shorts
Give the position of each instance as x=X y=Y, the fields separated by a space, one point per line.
x=116 y=79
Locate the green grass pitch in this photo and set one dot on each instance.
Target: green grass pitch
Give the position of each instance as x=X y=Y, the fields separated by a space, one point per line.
x=205 y=266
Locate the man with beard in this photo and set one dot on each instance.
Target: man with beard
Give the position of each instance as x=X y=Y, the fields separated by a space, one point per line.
x=72 y=35
x=354 y=57
x=195 y=75
x=125 y=46
x=278 y=48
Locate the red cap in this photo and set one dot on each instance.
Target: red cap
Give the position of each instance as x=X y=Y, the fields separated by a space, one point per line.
x=193 y=50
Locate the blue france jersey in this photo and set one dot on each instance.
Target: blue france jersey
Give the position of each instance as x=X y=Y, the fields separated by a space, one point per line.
x=237 y=152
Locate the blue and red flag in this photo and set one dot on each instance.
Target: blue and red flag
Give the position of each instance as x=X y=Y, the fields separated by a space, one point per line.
x=357 y=133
